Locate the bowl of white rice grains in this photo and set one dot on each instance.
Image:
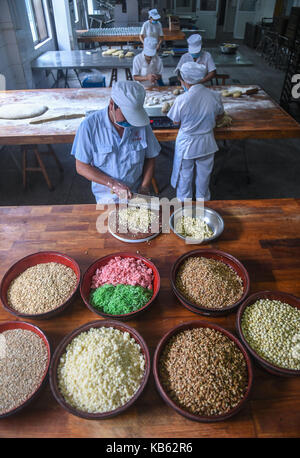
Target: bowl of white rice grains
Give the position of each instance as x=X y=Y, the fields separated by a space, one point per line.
x=196 y=224
x=100 y=369
x=40 y=285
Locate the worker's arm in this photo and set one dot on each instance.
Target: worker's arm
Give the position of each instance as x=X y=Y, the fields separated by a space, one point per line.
x=160 y=42
x=209 y=77
x=93 y=174
x=148 y=172
x=142 y=38
x=152 y=77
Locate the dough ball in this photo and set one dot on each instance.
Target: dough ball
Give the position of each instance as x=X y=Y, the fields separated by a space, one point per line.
x=166 y=107
x=237 y=94
x=176 y=91
x=121 y=55
x=129 y=54
x=226 y=121
x=21 y=111
x=225 y=93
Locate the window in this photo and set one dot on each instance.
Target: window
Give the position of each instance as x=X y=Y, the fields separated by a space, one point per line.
x=208 y=5
x=38 y=16
x=75 y=8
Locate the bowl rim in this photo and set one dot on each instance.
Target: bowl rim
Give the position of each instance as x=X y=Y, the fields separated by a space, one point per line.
x=42 y=335
x=50 y=313
x=209 y=210
x=125 y=254
x=203 y=252
x=276 y=370
x=199 y=324
x=60 y=349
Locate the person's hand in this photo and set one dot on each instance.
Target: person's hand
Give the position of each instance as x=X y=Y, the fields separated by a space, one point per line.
x=122 y=191
x=152 y=77
x=145 y=190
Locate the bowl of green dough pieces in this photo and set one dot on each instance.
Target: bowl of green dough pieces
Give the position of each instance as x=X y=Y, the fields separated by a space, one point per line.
x=120 y=285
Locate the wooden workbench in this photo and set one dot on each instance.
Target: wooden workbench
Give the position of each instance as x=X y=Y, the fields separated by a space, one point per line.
x=256 y=117
x=262 y=234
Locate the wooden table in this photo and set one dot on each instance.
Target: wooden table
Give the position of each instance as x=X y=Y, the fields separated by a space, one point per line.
x=262 y=234
x=257 y=117
x=122 y=39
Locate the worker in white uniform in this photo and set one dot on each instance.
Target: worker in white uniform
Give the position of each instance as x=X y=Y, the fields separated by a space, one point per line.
x=148 y=66
x=115 y=147
x=197 y=54
x=153 y=28
x=195 y=145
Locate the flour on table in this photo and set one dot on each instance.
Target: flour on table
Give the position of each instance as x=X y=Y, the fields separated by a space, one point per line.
x=22 y=111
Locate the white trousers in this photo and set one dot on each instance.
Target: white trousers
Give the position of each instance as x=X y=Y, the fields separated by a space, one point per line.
x=202 y=167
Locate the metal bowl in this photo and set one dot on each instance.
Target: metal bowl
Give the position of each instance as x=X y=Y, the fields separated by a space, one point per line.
x=211 y=217
x=229 y=48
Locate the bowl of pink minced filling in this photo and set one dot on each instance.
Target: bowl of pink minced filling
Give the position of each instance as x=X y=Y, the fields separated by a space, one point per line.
x=120 y=285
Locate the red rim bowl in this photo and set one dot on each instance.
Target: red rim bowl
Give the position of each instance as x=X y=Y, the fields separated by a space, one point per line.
x=61 y=349
x=30 y=261
x=8 y=325
x=85 y=286
x=217 y=255
x=161 y=345
x=271 y=295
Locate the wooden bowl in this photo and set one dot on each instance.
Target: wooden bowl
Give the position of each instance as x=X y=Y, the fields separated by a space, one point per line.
x=8 y=325
x=30 y=261
x=217 y=255
x=61 y=349
x=159 y=349
x=85 y=286
x=271 y=295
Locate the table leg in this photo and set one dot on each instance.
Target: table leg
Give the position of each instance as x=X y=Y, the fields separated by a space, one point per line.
x=114 y=76
x=128 y=74
x=155 y=187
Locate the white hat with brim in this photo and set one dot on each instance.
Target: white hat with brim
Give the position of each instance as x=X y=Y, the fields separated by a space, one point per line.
x=193 y=73
x=154 y=14
x=130 y=97
x=150 y=46
x=194 y=43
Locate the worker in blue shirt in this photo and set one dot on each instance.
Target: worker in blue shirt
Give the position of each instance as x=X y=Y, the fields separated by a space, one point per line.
x=115 y=147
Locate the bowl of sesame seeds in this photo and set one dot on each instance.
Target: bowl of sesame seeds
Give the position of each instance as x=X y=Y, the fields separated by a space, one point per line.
x=210 y=282
x=202 y=371
x=40 y=285
x=268 y=323
x=100 y=369
x=24 y=362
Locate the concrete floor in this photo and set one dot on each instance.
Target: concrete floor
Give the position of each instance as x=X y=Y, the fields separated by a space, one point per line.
x=274 y=165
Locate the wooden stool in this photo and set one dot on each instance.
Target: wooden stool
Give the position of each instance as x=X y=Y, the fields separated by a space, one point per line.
x=40 y=167
x=128 y=74
x=114 y=76
x=155 y=187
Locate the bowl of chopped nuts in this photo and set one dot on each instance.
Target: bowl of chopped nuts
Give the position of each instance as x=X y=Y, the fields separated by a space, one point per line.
x=41 y=285
x=268 y=323
x=196 y=224
x=25 y=355
x=210 y=282
x=100 y=369
x=192 y=374
x=120 y=285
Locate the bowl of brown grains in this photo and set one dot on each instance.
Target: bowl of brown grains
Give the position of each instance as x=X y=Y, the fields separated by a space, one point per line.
x=40 y=285
x=24 y=362
x=202 y=371
x=210 y=282
x=268 y=324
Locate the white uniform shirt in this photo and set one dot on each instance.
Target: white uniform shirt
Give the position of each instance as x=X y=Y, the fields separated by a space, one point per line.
x=196 y=111
x=98 y=143
x=205 y=58
x=152 y=30
x=142 y=68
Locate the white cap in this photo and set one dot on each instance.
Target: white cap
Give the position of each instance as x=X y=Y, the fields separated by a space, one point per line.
x=192 y=72
x=150 y=46
x=130 y=97
x=195 y=43
x=154 y=14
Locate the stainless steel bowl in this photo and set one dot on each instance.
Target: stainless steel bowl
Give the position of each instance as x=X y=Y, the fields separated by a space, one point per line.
x=211 y=217
x=229 y=49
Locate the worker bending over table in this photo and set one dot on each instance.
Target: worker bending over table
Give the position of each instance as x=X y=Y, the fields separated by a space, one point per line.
x=195 y=144
x=147 y=66
x=153 y=28
x=197 y=54
x=115 y=147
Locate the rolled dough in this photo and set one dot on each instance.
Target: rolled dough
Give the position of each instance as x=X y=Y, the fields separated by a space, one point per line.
x=21 y=111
